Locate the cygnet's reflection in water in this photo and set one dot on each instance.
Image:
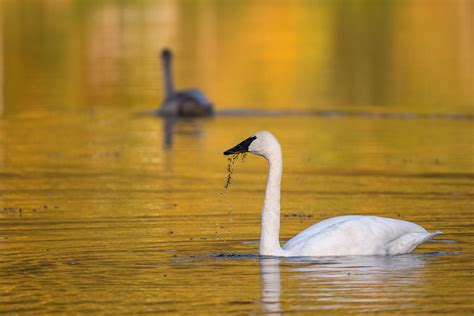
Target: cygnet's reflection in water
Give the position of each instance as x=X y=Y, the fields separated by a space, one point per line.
x=335 y=283
x=175 y=125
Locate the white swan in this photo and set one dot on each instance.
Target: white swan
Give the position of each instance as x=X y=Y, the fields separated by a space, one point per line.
x=337 y=236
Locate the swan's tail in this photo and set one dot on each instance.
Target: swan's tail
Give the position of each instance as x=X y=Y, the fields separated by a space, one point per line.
x=409 y=242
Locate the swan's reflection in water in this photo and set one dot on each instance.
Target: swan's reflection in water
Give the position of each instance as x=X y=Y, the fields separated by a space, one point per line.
x=271 y=284
x=331 y=283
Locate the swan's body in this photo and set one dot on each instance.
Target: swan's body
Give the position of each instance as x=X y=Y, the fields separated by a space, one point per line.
x=358 y=235
x=187 y=103
x=337 y=236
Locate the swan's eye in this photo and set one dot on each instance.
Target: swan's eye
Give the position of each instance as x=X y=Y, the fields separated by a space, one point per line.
x=242 y=147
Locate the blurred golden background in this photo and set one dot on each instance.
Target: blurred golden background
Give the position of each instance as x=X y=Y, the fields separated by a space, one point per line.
x=414 y=56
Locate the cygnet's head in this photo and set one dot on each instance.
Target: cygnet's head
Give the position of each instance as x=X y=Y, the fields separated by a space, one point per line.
x=262 y=143
x=166 y=54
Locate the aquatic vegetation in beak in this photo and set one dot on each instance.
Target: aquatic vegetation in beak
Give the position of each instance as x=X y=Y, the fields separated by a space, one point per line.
x=230 y=167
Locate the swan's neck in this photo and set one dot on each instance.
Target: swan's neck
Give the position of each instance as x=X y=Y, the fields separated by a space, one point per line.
x=270 y=233
x=168 y=77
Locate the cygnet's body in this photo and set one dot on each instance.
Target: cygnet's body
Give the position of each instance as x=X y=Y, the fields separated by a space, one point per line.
x=337 y=236
x=185 y=103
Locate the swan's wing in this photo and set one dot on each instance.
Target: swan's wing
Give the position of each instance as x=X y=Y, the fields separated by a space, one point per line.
x=358 y=235
x=316 y=228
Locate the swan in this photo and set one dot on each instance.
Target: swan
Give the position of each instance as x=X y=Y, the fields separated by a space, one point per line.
x=337 y=236
x=187 y=103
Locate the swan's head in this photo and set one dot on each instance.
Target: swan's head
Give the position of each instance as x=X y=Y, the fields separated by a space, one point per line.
x=166 y=54
x=262 y=143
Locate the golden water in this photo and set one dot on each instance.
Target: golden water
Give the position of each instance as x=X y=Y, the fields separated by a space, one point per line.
x=101 y=211
x=111 y=222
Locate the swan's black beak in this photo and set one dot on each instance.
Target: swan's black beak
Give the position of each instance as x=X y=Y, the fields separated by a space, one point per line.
x=243 y=147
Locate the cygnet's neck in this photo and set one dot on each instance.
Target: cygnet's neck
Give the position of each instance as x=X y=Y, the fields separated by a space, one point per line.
x=167 y=76
x=270 y=232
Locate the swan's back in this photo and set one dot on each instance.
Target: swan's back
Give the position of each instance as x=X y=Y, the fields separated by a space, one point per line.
x=358 y=235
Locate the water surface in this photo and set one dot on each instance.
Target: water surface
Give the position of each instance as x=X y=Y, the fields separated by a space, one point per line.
x=99 y=217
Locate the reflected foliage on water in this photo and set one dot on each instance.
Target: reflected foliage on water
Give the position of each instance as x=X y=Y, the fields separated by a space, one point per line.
x=391 y=56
